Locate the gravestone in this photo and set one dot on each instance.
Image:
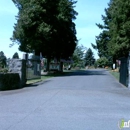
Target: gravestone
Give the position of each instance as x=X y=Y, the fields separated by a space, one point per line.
x=18 y=66
x=124 y=71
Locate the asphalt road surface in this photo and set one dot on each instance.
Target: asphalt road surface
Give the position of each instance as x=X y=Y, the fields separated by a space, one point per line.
x=82 y=100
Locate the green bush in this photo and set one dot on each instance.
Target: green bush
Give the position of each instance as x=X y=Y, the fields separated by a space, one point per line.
x=9 y=81
x=102 y=62
x=3 y=70
x=95 y=65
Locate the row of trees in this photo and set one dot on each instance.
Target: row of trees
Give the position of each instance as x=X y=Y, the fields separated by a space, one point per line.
x=47 y=27
x=3 y=59
x=83 y=57
x=114 y=40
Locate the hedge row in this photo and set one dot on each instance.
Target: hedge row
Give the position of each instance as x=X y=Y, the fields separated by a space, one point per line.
x=9 y=81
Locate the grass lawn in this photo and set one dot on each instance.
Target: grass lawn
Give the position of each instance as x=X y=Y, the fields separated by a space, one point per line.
x=30 y=81
x=115 y=74
x=50 y=75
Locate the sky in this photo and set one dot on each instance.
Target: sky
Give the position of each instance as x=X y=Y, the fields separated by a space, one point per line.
x=89 y=13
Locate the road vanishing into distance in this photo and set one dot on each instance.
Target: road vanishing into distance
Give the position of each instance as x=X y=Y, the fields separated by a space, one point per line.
x=81 y=100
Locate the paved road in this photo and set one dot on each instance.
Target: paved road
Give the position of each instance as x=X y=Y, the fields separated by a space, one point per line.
x=84 y=100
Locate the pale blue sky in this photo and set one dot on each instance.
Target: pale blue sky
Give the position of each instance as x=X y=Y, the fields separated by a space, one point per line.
x=90 y=12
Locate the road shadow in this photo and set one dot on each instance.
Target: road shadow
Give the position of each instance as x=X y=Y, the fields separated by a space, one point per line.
x=87 y=73
x=90 y=72
x=68 y=73
x=79 y=73
x=30 y=85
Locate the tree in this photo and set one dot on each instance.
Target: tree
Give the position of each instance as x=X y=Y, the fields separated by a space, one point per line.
x=102 y=44
x=66 y=29
x=103 y=38
x=89 y=58
x=119 y=44
x=2 y=60
x=113 y=41
x=102 y=62
x=46 y=26
x=15 y=56
x=78 y=56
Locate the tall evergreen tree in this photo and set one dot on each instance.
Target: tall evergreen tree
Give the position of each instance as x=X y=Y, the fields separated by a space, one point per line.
x=103 y=38
x=15 y=56
x=78 y=56
x=89 y=58
x=119 y=44
x=46 y=26
x=2 y=60
x=113 y=41
x=102 y=44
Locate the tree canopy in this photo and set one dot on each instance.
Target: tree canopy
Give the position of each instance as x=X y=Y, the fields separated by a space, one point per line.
x=89 y=58
x=102 y=62
x=119 y=44
x=103 y=38
x=15 y=56
x=46 y=26
x=2 y=60
x=78 y=56
x=114 y=40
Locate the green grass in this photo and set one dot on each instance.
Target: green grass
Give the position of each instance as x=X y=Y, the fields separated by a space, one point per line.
x=30 y=81
x=50 y=75
x=115 y=74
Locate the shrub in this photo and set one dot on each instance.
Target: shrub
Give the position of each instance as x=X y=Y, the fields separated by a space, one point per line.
x=3 y=70
x=102 y=62
x=9 y=81
x=95 y=65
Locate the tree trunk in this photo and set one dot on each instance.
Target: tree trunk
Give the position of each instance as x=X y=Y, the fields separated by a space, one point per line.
x=114 y=64
x=37 y=53
x=48 y=64
x=61 y=66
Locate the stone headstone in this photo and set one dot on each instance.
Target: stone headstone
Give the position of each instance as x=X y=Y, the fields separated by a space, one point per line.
x=18 y=66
